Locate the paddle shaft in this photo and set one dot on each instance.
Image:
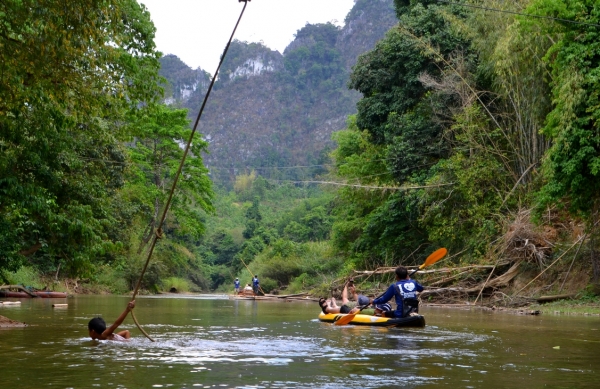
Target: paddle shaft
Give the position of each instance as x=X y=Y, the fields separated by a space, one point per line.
x=414 y=271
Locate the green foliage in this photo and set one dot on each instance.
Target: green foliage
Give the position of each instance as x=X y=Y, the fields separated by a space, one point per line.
x=26 y=275
x=572 y=163
x=156 y=153
x=289 y=263
x=463 y=214
x=181 y=285
x=388 y=78
x=111 y=278
x=70 y=74
x=314 y=68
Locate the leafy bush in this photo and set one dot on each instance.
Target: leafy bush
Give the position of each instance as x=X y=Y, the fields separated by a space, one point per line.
x=25 y=275
x=268 y=285
x=111 y=278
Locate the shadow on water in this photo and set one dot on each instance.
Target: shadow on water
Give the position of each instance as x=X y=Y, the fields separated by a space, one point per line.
x=212 y=342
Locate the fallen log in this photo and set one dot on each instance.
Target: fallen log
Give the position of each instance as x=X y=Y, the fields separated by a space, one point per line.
x=19 y=287
x=447 y=279
x=284 y=296
x=547 y=299
x=386 y=270
x=497 y=282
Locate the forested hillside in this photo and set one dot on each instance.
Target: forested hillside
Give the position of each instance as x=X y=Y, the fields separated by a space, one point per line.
x=88 y=149
x=272 y=109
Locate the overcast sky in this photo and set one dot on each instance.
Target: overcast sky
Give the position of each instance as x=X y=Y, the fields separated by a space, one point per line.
x=197 y=30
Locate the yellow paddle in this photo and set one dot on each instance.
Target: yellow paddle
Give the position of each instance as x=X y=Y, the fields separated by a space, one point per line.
x=431 y=259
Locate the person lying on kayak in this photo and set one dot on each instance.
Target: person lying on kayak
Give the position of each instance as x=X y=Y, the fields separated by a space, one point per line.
x=97 y=327
x=405 y=291
x=330 y=305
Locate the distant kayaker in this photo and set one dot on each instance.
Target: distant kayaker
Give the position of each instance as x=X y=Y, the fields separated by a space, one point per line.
x=97 y=327
x=236 y=285
x=405 y=291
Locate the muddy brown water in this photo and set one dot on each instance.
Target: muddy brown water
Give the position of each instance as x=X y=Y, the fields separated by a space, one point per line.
x=217 y=343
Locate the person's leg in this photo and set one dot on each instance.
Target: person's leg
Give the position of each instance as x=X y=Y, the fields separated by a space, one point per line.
x=332 y=307
x=345 y=295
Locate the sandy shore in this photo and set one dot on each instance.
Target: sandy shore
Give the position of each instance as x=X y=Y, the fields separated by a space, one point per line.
x=5 y=322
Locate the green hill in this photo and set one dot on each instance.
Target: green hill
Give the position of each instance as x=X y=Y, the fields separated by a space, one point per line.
x=270 y=109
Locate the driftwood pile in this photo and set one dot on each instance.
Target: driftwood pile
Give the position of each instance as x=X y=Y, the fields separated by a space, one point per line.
x=522 y=243
x=450 y=285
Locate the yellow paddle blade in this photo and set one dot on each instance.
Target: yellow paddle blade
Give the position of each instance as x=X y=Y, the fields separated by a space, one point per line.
x=342 y=321
x=434 y=257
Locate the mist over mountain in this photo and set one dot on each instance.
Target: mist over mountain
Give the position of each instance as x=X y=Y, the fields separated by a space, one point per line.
x=271 y=109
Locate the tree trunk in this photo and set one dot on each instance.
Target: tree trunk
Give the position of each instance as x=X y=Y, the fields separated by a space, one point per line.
x=31 y=250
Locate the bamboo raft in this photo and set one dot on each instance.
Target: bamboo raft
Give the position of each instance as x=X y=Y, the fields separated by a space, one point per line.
x=272 y=297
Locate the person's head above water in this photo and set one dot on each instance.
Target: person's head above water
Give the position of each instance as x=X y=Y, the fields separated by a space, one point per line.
x=96 y=327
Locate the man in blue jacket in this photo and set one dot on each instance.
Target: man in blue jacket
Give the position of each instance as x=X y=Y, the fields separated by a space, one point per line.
x=236 y=285
x=255 y=284
x=405 y=291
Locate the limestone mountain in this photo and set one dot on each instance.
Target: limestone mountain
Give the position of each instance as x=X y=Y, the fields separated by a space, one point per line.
x=270 y=109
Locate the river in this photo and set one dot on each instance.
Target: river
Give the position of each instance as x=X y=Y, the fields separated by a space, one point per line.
x=212 y=342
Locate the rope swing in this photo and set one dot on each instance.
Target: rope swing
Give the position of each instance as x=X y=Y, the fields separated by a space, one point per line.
x=159 y=233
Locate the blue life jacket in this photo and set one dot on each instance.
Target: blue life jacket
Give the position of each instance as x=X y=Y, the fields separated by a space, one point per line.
x=409 y=288
x=401 y=291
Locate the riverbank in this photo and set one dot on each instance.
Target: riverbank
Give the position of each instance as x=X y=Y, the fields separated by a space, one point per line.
x=556 y=308
x=5 y=322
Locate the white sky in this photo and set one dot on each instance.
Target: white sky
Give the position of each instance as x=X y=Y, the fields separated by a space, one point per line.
x=197 y=30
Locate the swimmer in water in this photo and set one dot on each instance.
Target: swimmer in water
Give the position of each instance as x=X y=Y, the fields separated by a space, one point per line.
x=98 y=330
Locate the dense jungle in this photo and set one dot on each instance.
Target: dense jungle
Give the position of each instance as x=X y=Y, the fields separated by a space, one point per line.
x=470 y=126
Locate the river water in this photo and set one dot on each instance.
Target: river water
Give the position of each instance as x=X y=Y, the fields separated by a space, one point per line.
x=218 y=343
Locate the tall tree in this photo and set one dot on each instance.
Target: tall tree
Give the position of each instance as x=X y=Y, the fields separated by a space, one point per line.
x=69 y=73
x=573 y=162
x=156 y=153
x=397 y=134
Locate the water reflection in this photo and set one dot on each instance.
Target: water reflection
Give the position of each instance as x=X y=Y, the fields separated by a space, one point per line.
x=248 y=344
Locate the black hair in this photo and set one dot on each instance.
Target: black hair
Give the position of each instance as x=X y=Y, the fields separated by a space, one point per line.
x=323 y=308
x=401 y=272
x=97 y=324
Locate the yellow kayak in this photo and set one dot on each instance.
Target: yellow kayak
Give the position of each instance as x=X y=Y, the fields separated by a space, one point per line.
x=377 y=321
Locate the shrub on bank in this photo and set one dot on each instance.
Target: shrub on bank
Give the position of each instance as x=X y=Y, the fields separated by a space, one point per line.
x=176 y=285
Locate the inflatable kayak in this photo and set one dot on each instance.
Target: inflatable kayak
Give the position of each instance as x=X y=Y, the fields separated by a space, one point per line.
x=376 y=321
